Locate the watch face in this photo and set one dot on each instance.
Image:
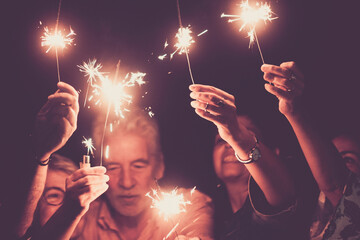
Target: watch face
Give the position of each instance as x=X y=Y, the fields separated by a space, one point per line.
x=255 y=155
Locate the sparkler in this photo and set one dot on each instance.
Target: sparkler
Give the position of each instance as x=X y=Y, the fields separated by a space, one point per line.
x=184 y=41
x=110 y=90
x=86 y=158
x=169 y=204
x=250 y=17
x=56 y=39
x=89 y=145
x=92 y=71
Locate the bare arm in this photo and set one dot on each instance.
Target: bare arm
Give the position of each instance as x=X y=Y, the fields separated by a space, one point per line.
x=268 y=172
x=55 y=123
x=320 y=153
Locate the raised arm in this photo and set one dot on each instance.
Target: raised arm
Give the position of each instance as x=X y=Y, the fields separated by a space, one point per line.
x=324 y=161
x=55 y=123
x=269 y=173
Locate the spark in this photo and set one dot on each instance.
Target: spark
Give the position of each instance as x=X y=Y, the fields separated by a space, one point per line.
x=162 y=57
x=107 y=151
x=171 y=231
x=168 y=203
x=92 y=71
x=250 y=16
x=203 y=32
x=89 y=145
x=56 y=39
x=166 y=44
x=184 y=41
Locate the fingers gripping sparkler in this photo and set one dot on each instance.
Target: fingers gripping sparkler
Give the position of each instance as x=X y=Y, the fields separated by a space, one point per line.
x=250 y=16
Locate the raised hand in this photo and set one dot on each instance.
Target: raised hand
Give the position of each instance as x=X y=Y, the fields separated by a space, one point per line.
x=287 y=84
x=56 y=120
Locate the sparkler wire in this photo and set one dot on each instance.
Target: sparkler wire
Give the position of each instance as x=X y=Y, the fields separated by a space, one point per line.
x=56 y=51
x=186 y=52
x=257 y=42
x=107 y=117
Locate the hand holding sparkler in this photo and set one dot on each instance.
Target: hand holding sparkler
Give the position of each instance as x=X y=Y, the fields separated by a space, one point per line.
x=286 y=83
x=250 y=16
x=218 y=106
x=84 y=186
x=57 y=120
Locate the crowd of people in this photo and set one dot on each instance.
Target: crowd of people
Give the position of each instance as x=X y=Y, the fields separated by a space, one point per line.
x=110 y=202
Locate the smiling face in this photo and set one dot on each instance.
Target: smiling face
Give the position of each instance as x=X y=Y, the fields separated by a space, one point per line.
x=349 y=149
x=132 y=169
x=226 y=165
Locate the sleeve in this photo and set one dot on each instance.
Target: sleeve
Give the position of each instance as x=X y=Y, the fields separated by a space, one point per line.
x=264 y=214
x=198 y=221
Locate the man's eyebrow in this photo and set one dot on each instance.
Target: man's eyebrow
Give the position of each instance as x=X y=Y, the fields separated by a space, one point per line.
x=141 y=160
x=111 y=163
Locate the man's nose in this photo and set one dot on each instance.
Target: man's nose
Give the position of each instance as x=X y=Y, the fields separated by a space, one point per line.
x=126 y=180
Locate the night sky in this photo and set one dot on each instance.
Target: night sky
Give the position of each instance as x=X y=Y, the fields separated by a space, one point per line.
x=321 y=36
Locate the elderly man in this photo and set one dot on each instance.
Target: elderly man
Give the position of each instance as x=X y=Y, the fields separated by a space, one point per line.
x=134 y=162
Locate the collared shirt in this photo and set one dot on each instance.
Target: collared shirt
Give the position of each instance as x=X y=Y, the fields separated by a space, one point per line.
x=197 y=221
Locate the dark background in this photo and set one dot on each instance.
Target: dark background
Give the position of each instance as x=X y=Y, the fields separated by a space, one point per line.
x=321 y=36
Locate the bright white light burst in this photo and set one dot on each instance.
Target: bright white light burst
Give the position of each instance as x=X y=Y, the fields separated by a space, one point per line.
x=168 y=204
x=184 y=41
x=111 y=91
x=250 y=16
x=56 y=39
x=89 y=145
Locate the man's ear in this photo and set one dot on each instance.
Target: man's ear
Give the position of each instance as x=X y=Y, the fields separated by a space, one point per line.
x=160 y=167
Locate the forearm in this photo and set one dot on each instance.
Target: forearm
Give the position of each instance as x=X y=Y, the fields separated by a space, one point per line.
x=322 y=157
x=34 y=192
x=270 y=174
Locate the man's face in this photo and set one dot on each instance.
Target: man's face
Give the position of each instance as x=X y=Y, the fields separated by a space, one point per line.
x=132 y=170
x=350 y=152
x=53 y=195
x=226 y=166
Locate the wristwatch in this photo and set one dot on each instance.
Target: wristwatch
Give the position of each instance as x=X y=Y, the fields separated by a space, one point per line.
x=254 y=154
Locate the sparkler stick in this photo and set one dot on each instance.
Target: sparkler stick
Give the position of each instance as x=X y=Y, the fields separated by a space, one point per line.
x=56 y=39
x=107 y=116
x=250 y=16
x=182 y=29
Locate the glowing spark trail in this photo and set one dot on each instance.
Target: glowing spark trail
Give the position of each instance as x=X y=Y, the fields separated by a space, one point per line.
x=89 y=145
x=56 y=39
x=250 y=16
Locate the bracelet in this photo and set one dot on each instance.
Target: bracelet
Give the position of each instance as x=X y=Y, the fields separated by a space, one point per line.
x=254 y=154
